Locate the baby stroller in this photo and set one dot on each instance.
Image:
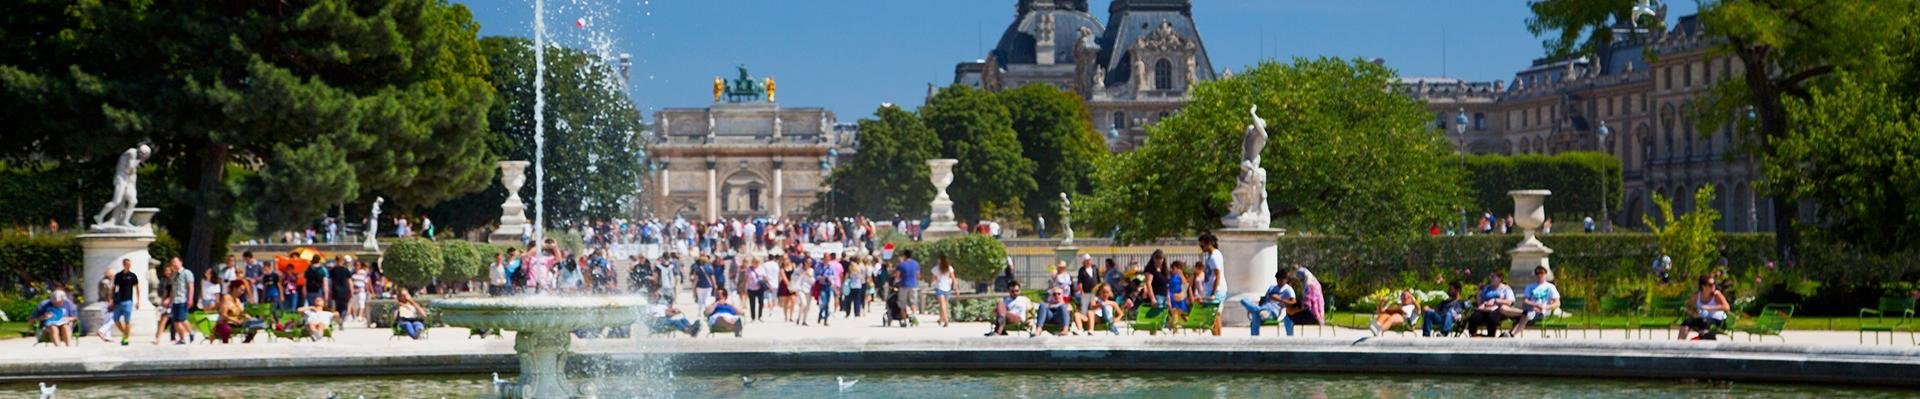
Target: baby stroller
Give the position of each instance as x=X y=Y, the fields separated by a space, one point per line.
x=896 y=310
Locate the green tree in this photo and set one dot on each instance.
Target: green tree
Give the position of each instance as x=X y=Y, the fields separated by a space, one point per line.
x=594 y=156
x=889 y=175
x=977 y=130
x=1343 y=157
x=1855 y=152
x=1784 y=46
x=388 y=92
x=1688 y=239
x=1056 y=133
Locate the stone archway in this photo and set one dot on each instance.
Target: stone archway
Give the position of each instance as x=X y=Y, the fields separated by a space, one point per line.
x=744 y=193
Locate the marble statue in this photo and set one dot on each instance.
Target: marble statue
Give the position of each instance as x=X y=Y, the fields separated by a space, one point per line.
x=117 y=215
x=1249 y=210
x=1066 y=220
x=373 y=224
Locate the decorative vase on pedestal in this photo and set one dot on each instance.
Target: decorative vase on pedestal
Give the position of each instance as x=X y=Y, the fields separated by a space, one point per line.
x=1529 y=212
x=942 y=224
x=513 y=212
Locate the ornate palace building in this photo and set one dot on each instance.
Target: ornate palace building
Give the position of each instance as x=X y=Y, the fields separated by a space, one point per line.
x=744 y=156
x=1649 y=106
x=1137 y=69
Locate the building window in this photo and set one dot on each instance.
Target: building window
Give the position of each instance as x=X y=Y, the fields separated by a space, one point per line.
x=1163 y=115
x=1119 y=120
x=1163 y=75
x=1686 y=77
x=1666 y=78
x=1479 y=121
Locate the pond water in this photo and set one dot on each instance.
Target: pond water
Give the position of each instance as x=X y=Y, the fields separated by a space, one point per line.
x=972 y=384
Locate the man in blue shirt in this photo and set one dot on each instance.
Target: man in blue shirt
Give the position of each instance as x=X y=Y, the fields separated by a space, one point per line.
x=909 y=278
x=703 y=279
x=1273 y=305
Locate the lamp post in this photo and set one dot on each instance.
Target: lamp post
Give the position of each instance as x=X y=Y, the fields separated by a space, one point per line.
x=1460 y=127
x=1606 y=221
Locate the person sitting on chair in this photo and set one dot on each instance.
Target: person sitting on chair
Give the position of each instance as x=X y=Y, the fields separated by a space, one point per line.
x=318 y=319
x=1444 y=315
x=1055 y=311
x=56 y=315
x=1496 y=300
x=1011 y=310
x=408 y=314
x=1391 y=313
x=233 y=316
x=722 y=314
x=1100 y=308
x=668 y=317
x=1709 y=310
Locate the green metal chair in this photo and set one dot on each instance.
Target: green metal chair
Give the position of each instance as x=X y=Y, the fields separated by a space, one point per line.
x=1665 y=313
x=1893 y=314
x=1611 y=311
x=1573 y=313
x=1771 y=322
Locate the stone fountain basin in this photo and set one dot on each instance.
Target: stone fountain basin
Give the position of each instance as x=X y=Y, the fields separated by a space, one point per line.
x=541 y=313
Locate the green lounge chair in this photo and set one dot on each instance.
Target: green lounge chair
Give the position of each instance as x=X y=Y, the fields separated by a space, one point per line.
x=1771 y=321
x=1893 y=314
x=1665 y=313
x=1202 y=317
x=1150 y=319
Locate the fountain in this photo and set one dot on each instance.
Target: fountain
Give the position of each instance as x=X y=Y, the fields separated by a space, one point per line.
x=541 y=326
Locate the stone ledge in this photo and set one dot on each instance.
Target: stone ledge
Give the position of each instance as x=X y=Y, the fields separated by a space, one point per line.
x=1652 y=359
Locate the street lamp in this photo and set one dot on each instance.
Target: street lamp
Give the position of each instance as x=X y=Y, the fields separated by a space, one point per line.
x=1460 y=126
x=1606 y=221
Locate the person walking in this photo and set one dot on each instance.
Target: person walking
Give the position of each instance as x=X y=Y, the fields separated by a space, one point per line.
x=943 y=288
x=182 y=296
x=908 y=276
x=125 y=283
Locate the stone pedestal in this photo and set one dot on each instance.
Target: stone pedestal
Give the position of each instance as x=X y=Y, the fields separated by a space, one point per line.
x=513 y=212
x=1252 y=257
x=1069 y=254
x=942 y=224
x=104 y=251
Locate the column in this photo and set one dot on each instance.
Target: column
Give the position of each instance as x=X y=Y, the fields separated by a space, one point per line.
x=779 y=188
x=665 y=184
x=713 y=192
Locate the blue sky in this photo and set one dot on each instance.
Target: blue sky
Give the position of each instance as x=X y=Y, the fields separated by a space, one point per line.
x=851 y=55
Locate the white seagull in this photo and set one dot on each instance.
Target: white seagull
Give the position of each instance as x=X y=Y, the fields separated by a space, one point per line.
x=46 y=391
x=846 y=384
x=1644 y=8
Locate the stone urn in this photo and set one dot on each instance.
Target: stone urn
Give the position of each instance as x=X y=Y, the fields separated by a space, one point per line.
x=942 y=176
x=513 y=212
x=143 y=217
x=942 y=224
x=1529 y=212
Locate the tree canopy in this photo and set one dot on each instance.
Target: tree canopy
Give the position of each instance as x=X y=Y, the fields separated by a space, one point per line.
x=1056 y=132
x=328 y=99
x=889 y=176
x=1785 y=47
x=594 y=157
x=975 y=128
x=1344 y=156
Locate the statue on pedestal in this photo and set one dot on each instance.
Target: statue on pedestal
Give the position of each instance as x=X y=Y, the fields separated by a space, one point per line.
x=1066 y=220
x=1249 y=210
x=373 y=225
x=117 y=215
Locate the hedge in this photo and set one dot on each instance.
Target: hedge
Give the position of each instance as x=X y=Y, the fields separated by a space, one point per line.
x=1574 y=178
x=975 y=257
x=41 y=258
x=413 y=262
x=1590 y=265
